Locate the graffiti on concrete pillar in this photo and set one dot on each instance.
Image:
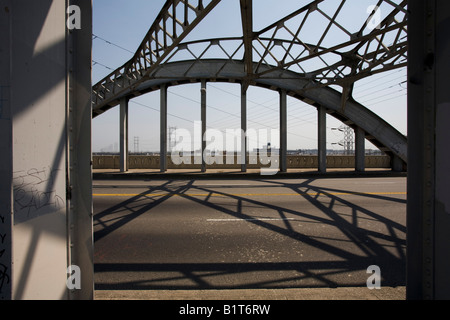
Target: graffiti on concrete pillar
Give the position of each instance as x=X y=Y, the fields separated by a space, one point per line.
x=4 y=278
x=5 y=256
x=36 y=193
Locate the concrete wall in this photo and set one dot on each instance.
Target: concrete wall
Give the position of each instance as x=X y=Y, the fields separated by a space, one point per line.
x=152 y=162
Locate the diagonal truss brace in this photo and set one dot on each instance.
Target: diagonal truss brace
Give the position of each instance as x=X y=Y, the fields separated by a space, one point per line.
x=354 y=64
x=247 y=26
x=166 y=33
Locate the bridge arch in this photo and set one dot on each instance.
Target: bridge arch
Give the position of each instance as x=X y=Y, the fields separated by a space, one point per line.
x=375 y=129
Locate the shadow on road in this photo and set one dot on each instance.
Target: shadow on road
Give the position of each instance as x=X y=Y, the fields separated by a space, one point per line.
x=373 y=237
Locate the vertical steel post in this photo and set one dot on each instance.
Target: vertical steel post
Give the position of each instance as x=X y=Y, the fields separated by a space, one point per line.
x=163 y=129
x=360 y=150
x=79 y=152
x=203 y=117
x=428 y=218
x=243 y=128
x=283 y=131
x=322 y=139
x=124 y=130
x=6 y=147
x=442 y=163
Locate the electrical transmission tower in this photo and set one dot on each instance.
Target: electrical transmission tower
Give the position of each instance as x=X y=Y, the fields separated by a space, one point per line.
x=136 y=145
x=349 y=141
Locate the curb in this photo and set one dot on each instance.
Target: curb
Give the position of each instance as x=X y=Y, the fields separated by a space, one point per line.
x=345 y=293
x=133 y=175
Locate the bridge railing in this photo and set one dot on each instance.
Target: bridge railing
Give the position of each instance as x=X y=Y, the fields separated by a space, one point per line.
x=111 y=162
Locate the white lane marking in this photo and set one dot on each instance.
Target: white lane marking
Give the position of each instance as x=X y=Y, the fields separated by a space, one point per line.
x=255 y=219
x=227 y=185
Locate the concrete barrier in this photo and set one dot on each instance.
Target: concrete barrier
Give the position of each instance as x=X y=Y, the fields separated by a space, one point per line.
x=293 y=162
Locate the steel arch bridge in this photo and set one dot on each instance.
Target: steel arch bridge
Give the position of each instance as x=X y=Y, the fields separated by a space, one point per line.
x=320 y=70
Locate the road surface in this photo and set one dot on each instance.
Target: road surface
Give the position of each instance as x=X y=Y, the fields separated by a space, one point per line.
x=245 y=234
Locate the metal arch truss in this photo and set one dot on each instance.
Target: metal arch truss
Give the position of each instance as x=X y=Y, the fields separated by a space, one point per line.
x=175 y=21
x=373 y=48
x=338 y=55
x=318 y=45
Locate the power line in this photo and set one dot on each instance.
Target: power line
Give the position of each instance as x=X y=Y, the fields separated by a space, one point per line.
x=386 y=85
x=389 y=94
x=381 y=90
x=101 y=64
x=256 y=104
x=226 y=112
x=262 y=114
x=94 y=36
x=396 y=97
x=159 y=111
x=378 y=78
x=212 y=107
x=111 y=43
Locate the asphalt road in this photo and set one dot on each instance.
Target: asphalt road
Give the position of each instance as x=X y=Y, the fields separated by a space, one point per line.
x=244 y=234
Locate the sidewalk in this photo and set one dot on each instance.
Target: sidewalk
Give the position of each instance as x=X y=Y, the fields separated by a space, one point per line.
x=385 y=293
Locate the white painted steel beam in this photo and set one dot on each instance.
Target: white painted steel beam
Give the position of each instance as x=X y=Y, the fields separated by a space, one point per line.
x=244 y=124
x=163 y=129
x=124 y=132
x=283 y=131
x=80 y=207
x=203 y=107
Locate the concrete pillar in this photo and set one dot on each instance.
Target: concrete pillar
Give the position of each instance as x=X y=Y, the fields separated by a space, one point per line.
x=243 y=129
x=283 y=131
x=203 y=117
x=45 y=143
x=124 y=135
x=163 y=129
x=360 y=150
x=322 y=139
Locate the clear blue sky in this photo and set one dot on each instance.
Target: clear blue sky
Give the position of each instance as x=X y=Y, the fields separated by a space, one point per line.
x=120 y=26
